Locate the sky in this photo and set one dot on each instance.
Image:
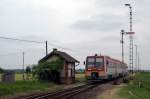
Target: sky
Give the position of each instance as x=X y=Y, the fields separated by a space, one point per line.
x=78 y=27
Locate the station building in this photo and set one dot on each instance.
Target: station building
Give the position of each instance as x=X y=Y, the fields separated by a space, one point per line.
x=67 y=75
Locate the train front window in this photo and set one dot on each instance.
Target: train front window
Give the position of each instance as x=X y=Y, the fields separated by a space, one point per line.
x=99 y=62
x=90 y=62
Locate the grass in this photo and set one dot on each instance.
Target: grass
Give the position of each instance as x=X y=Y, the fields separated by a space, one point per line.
x=20 y=86
x=80 y=77
x=19 y=76
x=25 y=86
x=134 y=91
x=0 y=77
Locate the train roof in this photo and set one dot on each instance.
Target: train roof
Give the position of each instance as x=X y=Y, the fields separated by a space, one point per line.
x=116 y=60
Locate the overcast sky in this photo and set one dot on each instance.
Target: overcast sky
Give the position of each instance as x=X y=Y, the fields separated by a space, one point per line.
x=79 y=27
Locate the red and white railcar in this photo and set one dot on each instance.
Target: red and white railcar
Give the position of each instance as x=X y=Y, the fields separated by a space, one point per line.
x=104 y=67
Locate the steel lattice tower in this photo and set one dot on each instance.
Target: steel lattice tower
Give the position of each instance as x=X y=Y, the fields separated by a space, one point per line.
x=131 y=41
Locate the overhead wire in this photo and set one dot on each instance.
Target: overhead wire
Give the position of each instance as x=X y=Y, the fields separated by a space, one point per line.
x=39 y=42
x=30 y=41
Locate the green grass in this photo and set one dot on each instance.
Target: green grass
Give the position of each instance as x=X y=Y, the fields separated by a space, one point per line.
x=80 y=77
x=142 y=92
x=0 y=77
x=25 y=86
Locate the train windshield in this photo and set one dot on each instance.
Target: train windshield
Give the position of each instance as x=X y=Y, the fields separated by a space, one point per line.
x=90 y=62
x=99 y=62
x=94 y=62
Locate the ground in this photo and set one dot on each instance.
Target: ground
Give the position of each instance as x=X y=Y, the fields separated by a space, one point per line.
x=132 y=90
x=20 y=87
x=26 y=87
x=111 y=93
x=104 y=91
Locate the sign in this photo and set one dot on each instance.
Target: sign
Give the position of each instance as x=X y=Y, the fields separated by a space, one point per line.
x=130 y=33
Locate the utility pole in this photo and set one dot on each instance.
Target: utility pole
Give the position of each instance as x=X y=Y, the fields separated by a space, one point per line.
x=131 y=40
x=46 y=47
x=122 y=42
x=23 y=76
x=122 y=46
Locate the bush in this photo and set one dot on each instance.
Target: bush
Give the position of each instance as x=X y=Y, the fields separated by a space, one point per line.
x=48 y=71
x=1 y=70
x=28 y=71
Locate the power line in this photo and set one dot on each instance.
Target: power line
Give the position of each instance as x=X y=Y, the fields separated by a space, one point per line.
x=30 y=41
x=10 y=54
x=60 y=47
x=28 y=51
x=40 y=42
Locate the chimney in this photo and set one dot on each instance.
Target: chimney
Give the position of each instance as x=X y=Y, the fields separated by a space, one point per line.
x=95 y=54
x=54 y=49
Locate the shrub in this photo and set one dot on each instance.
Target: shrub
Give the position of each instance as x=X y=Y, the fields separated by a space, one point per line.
x=1 y=70
x=48 y=71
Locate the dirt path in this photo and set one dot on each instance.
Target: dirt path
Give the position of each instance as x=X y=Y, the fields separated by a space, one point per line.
x=110 y=93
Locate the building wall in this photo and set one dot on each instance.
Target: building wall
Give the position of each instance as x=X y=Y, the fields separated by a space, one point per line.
x=71 y=70
x=69 y=80
x=63 y=71
x=67 y=74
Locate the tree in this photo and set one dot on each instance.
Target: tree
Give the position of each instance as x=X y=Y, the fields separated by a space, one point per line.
x=28 y=71
x=48 y=71
x=1 y=70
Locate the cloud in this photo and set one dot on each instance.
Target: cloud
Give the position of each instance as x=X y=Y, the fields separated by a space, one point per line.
x=105 y=22
x=84 y=26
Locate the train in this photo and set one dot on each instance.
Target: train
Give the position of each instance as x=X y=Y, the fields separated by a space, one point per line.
x=100 y=67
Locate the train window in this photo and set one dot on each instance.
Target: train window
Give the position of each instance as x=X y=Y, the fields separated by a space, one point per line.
x=107 y=62
x=90 y=59
x=90 y=62
x=99 y=62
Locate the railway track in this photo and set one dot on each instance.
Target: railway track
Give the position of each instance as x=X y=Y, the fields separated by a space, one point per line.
x=64 y=94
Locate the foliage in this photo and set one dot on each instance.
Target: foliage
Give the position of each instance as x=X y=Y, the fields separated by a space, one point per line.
x=138 y=91
x=28 y=71
x=1 y=70
x=48 y=71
